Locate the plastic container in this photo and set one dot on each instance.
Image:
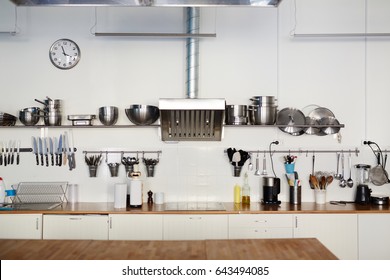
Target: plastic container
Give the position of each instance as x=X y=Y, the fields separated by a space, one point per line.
x=237 y=194
x=2 y=191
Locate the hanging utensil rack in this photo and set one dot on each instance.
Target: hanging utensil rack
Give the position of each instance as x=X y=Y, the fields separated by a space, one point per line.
x=356 y=151
x=123 y=152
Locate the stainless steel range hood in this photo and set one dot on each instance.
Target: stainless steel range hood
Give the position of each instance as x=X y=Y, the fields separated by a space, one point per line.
x=149 y=3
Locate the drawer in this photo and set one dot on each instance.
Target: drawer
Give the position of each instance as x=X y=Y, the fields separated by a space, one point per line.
x=253 y=233
x=261 y=220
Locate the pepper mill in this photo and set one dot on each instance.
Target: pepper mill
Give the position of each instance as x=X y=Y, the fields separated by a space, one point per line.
x=150 y=197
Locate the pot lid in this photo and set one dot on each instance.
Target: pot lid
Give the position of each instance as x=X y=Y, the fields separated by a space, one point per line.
x=291 y=117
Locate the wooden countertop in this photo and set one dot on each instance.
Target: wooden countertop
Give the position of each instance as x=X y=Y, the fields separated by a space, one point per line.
x=230 y=208
x=247 y=249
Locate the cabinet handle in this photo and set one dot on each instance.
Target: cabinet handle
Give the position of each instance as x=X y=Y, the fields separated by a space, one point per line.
x=261 y=221
x=296 y=222
x=110 y=222
x=195 y=218
x=37 y=223
x=75 y=219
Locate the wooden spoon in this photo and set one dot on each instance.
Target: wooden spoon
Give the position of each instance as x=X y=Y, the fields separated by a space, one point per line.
x=314 y=181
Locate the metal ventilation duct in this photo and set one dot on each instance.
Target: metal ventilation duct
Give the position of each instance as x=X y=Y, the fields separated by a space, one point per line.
x=149 y=3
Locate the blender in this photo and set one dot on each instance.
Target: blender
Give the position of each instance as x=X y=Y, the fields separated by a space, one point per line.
x=363 y=192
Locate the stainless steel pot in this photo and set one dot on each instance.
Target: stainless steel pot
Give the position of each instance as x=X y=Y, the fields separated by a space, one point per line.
x=52 y=118
x=262 y=115
x=236 y=114
x=264 y=100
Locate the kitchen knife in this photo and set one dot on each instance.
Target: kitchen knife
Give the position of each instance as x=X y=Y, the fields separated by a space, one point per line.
x=5 y=154
x=67 y=150
x=45 y=149
x=65 y=144
x=1 y=153
x=51 y=148
x=56 y=149
x=9 y=152
x=35 y=148
x=59 y=151
x=17 y=153
x=40 y=149
x=13 y=152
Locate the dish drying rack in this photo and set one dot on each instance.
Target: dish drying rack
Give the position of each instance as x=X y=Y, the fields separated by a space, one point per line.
x=41 y=192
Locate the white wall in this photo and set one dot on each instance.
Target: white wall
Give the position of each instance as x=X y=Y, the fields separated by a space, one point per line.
x=254 y=53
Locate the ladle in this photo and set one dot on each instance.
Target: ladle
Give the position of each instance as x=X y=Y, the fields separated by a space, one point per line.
x=350 y=181
x=264 y=172
x=343 y=182
x=257 y=172
x=338 y=175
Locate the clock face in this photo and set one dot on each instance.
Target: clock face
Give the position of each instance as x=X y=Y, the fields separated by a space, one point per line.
x=64 y=54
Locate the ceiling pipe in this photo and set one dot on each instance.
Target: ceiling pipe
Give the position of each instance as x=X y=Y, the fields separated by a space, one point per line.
x=192 y=52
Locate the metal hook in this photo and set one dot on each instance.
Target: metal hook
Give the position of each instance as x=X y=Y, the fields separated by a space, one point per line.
x=106 y=157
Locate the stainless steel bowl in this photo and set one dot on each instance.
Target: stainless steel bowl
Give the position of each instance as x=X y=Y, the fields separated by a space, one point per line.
x=29 y=116
x=142 y=114
x=108 y=115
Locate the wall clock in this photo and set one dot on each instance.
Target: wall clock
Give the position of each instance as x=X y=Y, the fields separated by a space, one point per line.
x=64 y=54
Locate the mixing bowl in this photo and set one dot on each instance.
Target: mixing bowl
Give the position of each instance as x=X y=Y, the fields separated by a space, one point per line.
x=142 y=114
x=29 y=116
x=108 y=115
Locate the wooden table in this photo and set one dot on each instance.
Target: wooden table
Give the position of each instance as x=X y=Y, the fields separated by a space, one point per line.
x=246 y=249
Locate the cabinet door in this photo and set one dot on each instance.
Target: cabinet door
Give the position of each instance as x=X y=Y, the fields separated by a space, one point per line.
x=374 y=235
x=195 y=227
x=21 y=226
x=338 y=232
x=75 y=227
x=135 y=227
x=260 y=226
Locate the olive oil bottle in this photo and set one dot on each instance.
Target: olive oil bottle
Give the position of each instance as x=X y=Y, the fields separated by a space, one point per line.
x=246 y=191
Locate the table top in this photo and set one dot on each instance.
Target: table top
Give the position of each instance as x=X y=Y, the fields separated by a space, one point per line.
x=245 y=249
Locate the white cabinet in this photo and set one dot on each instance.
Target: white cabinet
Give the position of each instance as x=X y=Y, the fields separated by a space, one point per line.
x=21 y=226
x=243 y=226
x=135 y=227
x=374 y=236
x=195 y=227
x=338 y=232
x=75 y=227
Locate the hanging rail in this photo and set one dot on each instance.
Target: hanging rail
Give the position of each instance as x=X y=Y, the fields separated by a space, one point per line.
x=356 y=151
x=122 y=152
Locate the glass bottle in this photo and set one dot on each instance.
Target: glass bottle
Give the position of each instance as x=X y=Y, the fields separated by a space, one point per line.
x=237 y=194
x=246 y=191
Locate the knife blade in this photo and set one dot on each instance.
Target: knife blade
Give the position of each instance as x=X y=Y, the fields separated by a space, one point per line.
x=1 y=153
x=67 y=150
x=35 y=148
x=17 y=153
x=13 y=152
x=65 y=144
x=59 y=151
x=9 y=152
x=40 y=149
x=51 y=147
x=72 y=150
x=5 y=154
x=45 y=149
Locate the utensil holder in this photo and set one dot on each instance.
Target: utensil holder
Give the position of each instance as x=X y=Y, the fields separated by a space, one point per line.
x=129 y=168
x=289 y=167
x=237 y=171
x=114 y=170
x=320 y=196
x=92 y=170
x=295 y=195
x=150 y=170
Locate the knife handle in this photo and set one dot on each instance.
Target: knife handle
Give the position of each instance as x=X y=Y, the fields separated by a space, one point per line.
x=47 y=160
x=52 y=160
x=37 y=158
x=42 y=160
x=17 y=159
x=60 y=159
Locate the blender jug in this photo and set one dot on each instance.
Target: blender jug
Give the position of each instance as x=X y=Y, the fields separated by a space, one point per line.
x=363 y=192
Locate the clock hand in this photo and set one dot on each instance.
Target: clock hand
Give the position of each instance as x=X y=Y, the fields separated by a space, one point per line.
x=63 y=51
